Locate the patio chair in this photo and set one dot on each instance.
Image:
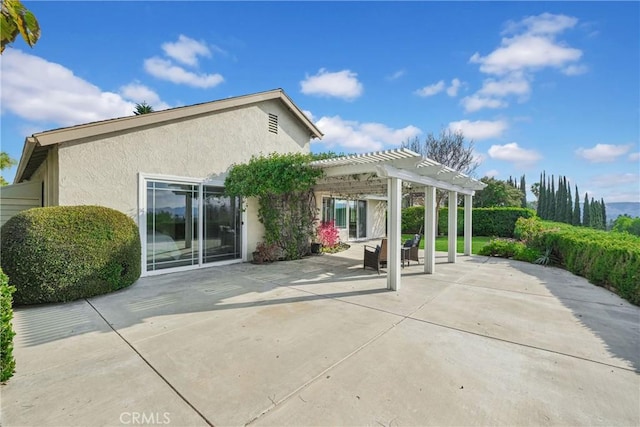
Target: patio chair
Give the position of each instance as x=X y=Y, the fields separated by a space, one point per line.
x=376 y=257
x=410 y=249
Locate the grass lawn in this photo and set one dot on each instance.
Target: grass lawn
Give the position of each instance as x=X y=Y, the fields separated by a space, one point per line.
x=442 y=244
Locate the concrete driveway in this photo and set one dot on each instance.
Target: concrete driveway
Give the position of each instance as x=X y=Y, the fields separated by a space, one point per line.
x=320 y=341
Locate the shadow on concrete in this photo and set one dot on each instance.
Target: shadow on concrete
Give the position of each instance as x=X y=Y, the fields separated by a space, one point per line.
x=612 y=319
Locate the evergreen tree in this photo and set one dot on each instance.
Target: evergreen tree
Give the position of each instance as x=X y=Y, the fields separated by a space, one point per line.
x=576 y=209
x=523 y=188
x=560 y=201
x=540 y=196
x=552 y=200
x=586 y=211
x=569 y=214
x=604 y=214
x=596 y=214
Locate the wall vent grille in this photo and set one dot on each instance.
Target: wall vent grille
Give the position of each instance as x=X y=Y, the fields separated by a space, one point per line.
x=273 y=123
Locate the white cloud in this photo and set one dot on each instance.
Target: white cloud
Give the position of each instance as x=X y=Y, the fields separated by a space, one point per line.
x=475 y=102
x=166 y=70
x=452 y=90
x=634 y=157
x=480 y=129
x=396 y=75
x=529 y=46
x=513 y=153
x=138 y=92
x=514 y=84
x=436 y=88
x=431 y=89
x=341 y=84
x=543 y=24
x=46 y=92
x=492 y=173
x=353 y=136
x=186 y=50
x=603 y=153
x=526 y=51
x=575 y=70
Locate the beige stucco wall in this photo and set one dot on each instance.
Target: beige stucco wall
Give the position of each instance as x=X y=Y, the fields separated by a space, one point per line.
x=47 y=173
x=105 y=171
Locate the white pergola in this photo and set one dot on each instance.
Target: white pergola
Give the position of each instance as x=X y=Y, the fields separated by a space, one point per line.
x=386 y=173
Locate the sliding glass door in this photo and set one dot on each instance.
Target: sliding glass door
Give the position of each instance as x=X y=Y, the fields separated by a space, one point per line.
x=357 y=219
x=176 y=233
x=172 y=225
x=222 y=221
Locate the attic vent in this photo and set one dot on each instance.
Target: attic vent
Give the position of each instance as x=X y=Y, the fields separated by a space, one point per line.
x=273 y=123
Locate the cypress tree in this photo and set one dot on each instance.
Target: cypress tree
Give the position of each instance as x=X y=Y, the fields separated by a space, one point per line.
x=560 y=201
x=604 y=214
x=540 y=191
x=523 y=188
x=576 y=209
x=596 y=214
x=543 y=196
x=586 y=212
x=552 y=200
x=569 y=214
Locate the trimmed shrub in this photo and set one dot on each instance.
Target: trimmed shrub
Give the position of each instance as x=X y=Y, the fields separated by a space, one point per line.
x=510 y=248
x=7 y=362
x=412 y=219
x=64 y=253
x=528 y=230
x=498 y=222
x=608 y=259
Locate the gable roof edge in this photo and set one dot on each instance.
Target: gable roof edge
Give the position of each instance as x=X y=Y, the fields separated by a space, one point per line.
x=87 y=130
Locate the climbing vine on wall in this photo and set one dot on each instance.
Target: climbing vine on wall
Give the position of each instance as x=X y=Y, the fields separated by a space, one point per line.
x=282 y=183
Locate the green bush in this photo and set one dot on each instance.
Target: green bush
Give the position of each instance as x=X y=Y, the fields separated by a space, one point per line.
x=7 y=362
x=412 y=219
x=609 y=259
x=528 y=230
x=510 y=248
x=498 y=222
x=68 y=252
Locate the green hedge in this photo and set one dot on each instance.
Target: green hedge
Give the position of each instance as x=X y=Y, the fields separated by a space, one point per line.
x=485 y=221
x=607 y=259
x=65 y=253
x=7 y=362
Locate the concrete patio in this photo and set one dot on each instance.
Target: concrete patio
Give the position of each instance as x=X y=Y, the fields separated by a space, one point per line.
x=321 y=341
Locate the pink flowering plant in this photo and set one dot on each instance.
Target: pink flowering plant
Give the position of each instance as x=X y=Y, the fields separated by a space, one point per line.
x=328 y=234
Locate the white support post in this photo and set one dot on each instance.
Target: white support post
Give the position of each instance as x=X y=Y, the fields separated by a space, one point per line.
x=453 y=225
x=394 y=237
x=429 y=229
x=468 y=209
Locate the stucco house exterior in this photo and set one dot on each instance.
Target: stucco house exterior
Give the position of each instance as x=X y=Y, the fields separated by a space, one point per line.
x=166 y=170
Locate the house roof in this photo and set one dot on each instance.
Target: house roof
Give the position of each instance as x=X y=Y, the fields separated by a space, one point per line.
x=367 y=173
x=36 y=146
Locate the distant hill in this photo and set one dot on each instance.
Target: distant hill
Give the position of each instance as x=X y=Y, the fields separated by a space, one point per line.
x=619 y=208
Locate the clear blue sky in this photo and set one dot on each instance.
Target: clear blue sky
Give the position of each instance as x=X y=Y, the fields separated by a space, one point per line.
x=553 y=86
